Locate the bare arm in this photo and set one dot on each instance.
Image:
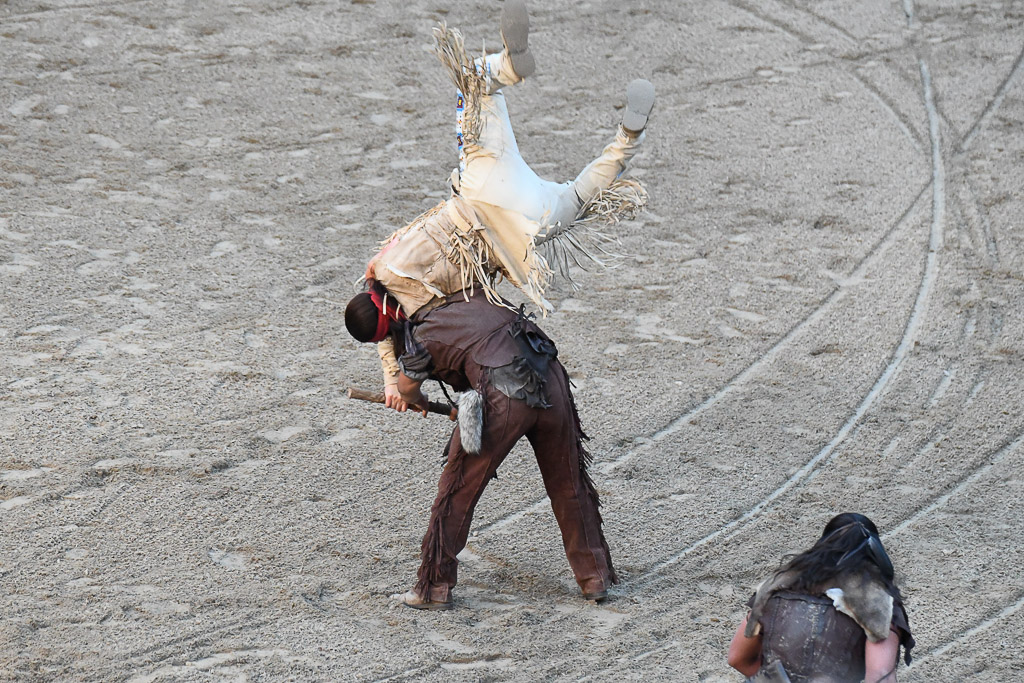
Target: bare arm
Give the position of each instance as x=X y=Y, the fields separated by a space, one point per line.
x=745 y=653
x=881 y=658
x=410 y=391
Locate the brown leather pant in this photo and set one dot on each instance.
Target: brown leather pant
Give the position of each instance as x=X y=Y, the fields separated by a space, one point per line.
x=556 y=438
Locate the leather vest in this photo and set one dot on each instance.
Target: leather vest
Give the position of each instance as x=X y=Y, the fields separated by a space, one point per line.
x=470 y=342
x=811 y=639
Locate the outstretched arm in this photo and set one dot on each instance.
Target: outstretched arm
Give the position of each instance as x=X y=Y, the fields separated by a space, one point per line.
x=745 y=653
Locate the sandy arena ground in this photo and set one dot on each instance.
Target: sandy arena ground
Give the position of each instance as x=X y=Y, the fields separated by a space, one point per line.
x=821 y=312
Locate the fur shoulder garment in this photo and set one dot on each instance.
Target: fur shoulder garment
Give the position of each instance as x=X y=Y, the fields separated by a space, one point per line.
x=858 y=595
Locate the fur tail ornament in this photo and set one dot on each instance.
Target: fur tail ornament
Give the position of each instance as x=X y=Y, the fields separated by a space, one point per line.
x=471 y=420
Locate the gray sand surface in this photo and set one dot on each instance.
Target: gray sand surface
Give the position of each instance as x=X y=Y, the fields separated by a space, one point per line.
x=820 y=312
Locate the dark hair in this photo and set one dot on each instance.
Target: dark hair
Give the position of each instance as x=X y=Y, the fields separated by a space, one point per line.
x=849 y=543
x=361 y=317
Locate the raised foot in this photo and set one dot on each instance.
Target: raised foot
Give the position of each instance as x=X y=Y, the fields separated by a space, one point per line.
x=515 y=34
x=639 y=103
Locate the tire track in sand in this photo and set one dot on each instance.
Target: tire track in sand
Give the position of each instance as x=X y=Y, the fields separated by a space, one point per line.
x=835 y=26
x=71 y=8
x=935 y=242
x=984 y=225
x=116 y=669
x=966 y=636
x=873 y=90
x=415 y=671
x=924 y=290
x=901 y=120
x=929 y=277
x=973 y=475
x=994 y=103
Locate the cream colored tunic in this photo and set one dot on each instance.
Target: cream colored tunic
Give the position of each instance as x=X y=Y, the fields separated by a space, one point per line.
x=447 y=250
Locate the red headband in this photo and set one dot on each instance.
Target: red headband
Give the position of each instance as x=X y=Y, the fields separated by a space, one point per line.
x=387 y=310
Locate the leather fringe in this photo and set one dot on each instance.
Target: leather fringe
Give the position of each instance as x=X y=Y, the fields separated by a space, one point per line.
x=586 y=460
x=434 y=552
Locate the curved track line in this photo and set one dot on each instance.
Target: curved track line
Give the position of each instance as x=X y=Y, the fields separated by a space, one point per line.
x=908 y=10
x=899 y=356
x=943 y=386
x=194 y=636
x=72 y=8
x=644 y=655
x=993 y=104
x=935 y=242
x=738 y=379
x=628 y=660
x=940 y=432
x=976 y=474
x=991 y=245
x=975 y=390
x=900 y=49
x=185 y=640
x=987 y=235
x=772 y=21
x=408 y=672
x=514 y=517
x=930 y=442
x=970 y=633
x=901 y=121
x=824 y=20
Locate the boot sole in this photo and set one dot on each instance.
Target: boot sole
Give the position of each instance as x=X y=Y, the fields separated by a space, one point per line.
x=639 y=103
x=515 y=34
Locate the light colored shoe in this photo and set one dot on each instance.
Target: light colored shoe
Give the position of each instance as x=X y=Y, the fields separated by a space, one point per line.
x=639 y=103
x=515 y=34
x=411 y=599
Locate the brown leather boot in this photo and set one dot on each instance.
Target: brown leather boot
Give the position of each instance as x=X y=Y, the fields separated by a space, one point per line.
x=595 y=590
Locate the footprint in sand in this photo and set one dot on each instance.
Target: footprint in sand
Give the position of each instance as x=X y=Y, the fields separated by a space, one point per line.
x=229 y=560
